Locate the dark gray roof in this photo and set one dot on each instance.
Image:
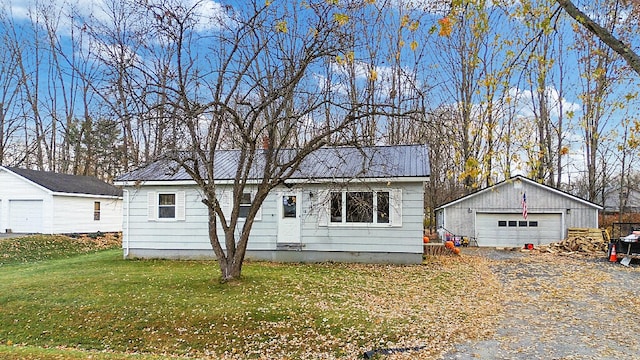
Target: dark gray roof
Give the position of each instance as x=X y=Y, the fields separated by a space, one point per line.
x=400 y=161
x=64 y=183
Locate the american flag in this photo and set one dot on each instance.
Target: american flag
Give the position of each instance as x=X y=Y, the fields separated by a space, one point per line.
x=524 y=205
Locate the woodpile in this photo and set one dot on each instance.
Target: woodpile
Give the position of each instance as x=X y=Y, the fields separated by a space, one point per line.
x=587 y=241
x=435 y=250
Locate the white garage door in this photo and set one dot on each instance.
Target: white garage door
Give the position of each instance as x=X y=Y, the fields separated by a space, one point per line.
x=512 y=230
x=25 y=216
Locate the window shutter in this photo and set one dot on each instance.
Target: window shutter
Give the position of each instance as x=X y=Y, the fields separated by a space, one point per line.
x=180 y=205
x=152 y=206
x=259 y=213
x=396 y=207
x=322 y=207
x=224 y=198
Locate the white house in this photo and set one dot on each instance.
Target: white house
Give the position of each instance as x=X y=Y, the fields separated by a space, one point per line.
x=50 y=203
x=515 y=212
x=344 y=204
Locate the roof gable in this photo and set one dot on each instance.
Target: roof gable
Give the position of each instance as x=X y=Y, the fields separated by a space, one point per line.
x=401 y=161
x=64 y=183
x=526 y=180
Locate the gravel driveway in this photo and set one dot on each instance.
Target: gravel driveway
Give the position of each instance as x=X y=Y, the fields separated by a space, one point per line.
x=562 y=307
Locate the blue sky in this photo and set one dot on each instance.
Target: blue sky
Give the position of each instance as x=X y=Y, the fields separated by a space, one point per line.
x=428 y=72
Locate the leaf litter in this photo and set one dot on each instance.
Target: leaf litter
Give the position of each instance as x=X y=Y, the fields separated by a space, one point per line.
x=562 y=307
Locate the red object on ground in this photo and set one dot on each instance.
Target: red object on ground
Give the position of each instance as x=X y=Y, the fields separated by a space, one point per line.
x=613 y=257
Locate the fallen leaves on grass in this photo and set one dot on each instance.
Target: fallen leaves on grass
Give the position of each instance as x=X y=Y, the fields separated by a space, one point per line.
x=44 y=247
x=433 y=306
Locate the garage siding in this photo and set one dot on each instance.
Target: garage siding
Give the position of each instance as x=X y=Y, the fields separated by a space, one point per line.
x=477 y=214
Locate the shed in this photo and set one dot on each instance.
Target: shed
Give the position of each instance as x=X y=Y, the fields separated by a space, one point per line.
x=45 y=202
x=515 y=212
x=344 y=204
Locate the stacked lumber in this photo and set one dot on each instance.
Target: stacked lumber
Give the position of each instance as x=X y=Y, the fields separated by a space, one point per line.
x=588 y=241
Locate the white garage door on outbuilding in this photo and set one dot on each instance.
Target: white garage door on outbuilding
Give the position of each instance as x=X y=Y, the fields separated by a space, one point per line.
x=25 y=216
x=495 y=215
x=503 y=229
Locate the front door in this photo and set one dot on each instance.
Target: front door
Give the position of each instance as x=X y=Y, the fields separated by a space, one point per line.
x=289 y=217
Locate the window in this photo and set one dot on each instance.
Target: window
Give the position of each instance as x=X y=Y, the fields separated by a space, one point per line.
x=359 y=207
x=166 y=206
x=368 y=207
x=336 y=207
x=289 y=206
x=96 y=210
x=533 y=224
x=382 y=210
x=502 y=223
x=522 y=223
x=245 y=205
x=513 y=223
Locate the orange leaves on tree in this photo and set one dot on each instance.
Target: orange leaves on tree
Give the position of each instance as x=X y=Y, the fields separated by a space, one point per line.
x=564 y=150
x=446 y=26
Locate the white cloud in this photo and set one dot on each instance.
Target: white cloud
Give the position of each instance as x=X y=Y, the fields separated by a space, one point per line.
x=525 y=108
x=387 y=80
x=209 y=13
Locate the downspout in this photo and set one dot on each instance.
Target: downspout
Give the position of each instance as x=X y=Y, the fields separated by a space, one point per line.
x=125 y=235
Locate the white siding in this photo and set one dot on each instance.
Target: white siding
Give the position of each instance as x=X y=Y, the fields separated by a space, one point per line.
x=15 y=188
x=73 y=214
x=60 y=214
x=404 y=235
x=165 y=238
x=146 y=231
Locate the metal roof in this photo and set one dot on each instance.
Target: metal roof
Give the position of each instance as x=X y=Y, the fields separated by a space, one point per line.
x=64 y=183
x=521 y=178
x=399 y=161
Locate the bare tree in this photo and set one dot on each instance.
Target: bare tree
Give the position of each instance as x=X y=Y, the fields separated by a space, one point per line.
x=248 y=78
x=9 y=88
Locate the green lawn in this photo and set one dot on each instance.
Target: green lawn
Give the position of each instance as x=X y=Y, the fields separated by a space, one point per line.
x=96 y=304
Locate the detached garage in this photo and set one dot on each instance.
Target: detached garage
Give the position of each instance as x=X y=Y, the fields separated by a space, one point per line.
x=50 y=203
x=515 y=212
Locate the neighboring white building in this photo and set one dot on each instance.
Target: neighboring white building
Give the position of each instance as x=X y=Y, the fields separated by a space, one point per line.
x=344 y=204
x=49 y=203
x=494 y=215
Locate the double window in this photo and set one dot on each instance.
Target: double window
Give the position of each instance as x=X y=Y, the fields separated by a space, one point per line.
x=361 y=207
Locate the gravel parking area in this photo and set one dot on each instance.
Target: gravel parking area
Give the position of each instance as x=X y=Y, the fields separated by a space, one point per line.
x=561 y=307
